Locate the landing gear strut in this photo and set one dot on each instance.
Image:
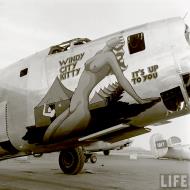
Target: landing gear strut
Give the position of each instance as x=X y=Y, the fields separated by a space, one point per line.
x=71 y=161
x=91 y=156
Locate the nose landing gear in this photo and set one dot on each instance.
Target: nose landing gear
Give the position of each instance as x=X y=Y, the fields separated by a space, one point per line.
x=90 y=156
x=71 y=161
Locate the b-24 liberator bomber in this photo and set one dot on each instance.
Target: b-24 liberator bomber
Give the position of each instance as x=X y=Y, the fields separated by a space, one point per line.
x=79 y=92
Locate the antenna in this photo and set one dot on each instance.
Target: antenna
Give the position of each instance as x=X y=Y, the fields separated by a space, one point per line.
x=185 y=15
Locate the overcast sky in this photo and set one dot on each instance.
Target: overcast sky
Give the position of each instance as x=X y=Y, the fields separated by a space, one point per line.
x=27 y=26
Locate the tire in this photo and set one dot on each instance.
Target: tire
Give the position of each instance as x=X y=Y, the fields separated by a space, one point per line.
x=106 y=152
x=71 y=161
x=93 y=158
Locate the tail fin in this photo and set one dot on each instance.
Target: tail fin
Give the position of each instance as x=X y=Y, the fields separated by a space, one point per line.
x=158 y=145
x=173 y=141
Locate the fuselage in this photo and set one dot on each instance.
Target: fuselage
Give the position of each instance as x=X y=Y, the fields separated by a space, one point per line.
x=179 y=152
x=159 y=67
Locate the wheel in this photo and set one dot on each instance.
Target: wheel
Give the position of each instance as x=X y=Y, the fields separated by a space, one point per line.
x=71 y=161
x=106 y=152
x=93 y=158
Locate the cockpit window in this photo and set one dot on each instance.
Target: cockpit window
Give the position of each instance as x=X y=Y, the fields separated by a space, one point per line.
x=67 y=45
x=187 y=34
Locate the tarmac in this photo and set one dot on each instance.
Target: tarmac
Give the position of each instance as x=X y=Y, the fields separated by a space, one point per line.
x=114 y=172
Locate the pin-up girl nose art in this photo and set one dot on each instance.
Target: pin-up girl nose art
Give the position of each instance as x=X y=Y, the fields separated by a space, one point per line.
x=77 y=117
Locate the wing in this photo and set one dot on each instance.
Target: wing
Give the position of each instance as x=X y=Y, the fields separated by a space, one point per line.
x=115 y=134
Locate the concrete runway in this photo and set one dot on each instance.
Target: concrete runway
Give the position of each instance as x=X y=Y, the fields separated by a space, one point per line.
x=115 y=172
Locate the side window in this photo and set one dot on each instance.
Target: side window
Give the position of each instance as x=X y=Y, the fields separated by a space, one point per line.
x=173 y=99
x=23 y=72
x=136 y=43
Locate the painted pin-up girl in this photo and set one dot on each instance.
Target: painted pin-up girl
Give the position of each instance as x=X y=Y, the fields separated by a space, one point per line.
x=77 y=116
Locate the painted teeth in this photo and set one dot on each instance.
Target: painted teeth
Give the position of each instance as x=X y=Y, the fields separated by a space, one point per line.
x=107 y=91
x=111 y=88
x=103 y=93
x=112 y=92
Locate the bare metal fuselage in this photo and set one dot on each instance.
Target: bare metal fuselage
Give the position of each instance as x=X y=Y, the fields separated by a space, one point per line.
x=157 y=71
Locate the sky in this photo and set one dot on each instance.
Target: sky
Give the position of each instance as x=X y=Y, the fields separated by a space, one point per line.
x=28 y=26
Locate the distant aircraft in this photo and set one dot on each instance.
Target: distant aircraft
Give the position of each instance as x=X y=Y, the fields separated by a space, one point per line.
x=171 y=148
x=79 y=92
x=105 y=147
